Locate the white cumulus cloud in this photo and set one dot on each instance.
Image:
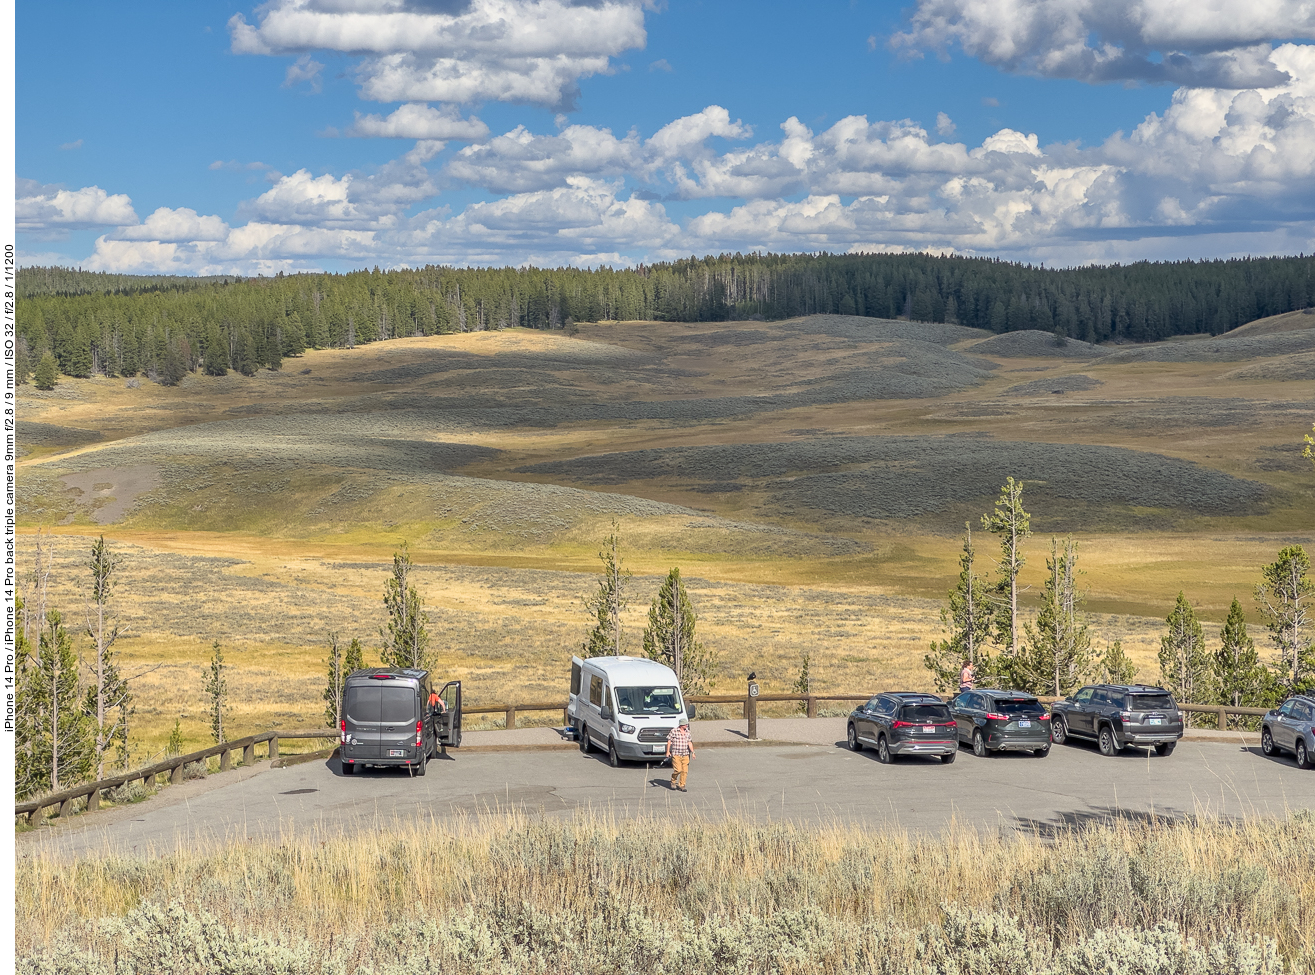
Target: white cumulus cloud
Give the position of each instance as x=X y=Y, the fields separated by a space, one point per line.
x=419 y=121
x=54 y=210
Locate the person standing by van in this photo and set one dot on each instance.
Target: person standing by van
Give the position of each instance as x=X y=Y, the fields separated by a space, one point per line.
x=680 y=749
x=967 y=676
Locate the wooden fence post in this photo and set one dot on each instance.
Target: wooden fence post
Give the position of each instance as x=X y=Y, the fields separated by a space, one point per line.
x=66 y=808
x=566 y=718
x=812 y=706
x=1223 y=719
x=249 y=754
x=511 y=717
x=225 y=760
x=176 y=774
x=93 y=800
x=274 y=747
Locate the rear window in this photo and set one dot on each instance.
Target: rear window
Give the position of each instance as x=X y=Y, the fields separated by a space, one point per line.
x=926 y=713
x=1150 y=702
x=399 y=704
x=363 y=702
x=1020 y=707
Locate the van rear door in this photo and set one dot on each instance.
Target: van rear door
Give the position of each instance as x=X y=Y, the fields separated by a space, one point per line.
x=362 y=712
x=448 y=722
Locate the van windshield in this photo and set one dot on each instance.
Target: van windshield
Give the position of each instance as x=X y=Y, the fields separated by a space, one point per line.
x=648 y=700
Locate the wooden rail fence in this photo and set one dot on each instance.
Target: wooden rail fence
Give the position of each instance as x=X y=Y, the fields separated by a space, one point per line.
x=33 y=808
x=174 y=766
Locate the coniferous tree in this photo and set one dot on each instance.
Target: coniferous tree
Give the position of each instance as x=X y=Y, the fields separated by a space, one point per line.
x=47 y=373
x=1185 y=665
x=606 y=637
x=341 y=664
x=22 y=361
x=1116 y=667
x=216 y=690
x=1242 y=681
x=55 y=736
x=671 y=637
x=969 y=620
x=1058 y=656
x=406 y=637
x=1013 y=525
x=175 y=366
x=1285 y=595
x=109 y=701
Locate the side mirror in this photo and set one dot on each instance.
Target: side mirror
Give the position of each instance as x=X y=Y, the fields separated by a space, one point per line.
x=691 y=710
x=605 y=713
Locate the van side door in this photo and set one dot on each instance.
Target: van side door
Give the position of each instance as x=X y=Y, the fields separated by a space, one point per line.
x=596 y=700
x=361 y=714
x=448 y=721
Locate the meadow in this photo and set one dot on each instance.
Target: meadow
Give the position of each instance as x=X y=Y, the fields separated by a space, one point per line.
x=810 y=477
x=510 y=893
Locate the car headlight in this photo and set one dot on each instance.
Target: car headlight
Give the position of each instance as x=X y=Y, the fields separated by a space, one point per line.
x=627 y=729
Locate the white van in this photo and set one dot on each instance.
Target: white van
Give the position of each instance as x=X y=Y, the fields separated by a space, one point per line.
x=625 y=706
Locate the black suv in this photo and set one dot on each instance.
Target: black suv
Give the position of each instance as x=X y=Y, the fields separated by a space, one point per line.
x=1118 y=715
x=904 y=723
x=992 y=721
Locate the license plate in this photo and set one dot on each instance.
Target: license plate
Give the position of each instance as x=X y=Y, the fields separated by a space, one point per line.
x=396 y=753
x=1025 y=724
x=656 y=749
x=929 y=730
x=1155 y=721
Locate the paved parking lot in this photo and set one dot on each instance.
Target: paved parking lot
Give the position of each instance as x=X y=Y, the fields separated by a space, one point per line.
x=817 y=783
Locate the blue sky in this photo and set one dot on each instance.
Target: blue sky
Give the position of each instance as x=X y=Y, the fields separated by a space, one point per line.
x=305 y=134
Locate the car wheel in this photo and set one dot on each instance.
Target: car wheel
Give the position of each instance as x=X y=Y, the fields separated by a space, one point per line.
x=584 y=738
x=1058 y=731
x=1303 y=757
x=612 y=756
x=1108 y=744
x=1166 y=749
x=854 y=744
x=947 y=759
x=883 y=751
x=424 y=763
x=979 y=743
x=1267 y=742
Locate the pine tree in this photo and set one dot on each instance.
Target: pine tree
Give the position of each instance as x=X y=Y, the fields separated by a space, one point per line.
x=47 y=373
x=406 y=638
x=969 y=620
x=609 y=602
x=216 y=689
x=1241 y=679
x=54 y=737
x=215 y=351
x=1185 y=665
x=1116 y=667
x=670 y=637
x=176 y=365
x=1058 y=657
x=109 y=701
x=1013 y=526
x=803 y=684
x=1285 y=596
x=341 y=665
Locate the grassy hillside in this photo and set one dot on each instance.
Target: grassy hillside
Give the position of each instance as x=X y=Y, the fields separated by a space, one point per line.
x=812 y=474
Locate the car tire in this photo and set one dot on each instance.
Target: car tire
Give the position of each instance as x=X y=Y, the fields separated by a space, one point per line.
x=1041 y=752
x=424 y=763
x=1059 y=731
x=947 y=759
x=1267 y=743
x=854 y=744
x=613 y=758
x=979 y=744
x=584 y=738
x=1165 y=750
x=1109 y=745
x=1303 y=756
x=884 y=755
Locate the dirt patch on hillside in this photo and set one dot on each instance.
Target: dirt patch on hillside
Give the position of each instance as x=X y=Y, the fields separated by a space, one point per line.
x=110 y=492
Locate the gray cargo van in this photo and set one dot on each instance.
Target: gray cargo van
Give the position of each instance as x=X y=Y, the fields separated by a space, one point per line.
x=387 y=719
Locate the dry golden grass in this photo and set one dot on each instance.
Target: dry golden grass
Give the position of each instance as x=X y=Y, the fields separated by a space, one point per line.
x=508 y=893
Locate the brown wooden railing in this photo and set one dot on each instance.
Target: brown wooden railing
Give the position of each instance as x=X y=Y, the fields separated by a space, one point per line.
x=174 y=766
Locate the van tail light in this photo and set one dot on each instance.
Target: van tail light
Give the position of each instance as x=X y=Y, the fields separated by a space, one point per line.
x=419 y=731
x=344 y=729
x=993 y=716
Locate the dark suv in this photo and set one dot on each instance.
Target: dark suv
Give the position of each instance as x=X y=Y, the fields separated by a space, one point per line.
x=1290 y=727
x=1118 y=715
x=992 y=721
x=904 y=723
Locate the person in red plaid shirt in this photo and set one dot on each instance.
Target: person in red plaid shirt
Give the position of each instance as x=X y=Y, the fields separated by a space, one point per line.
x=680 y=749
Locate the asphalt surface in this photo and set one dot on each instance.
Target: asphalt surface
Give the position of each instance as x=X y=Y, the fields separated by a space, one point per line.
x=813 y=783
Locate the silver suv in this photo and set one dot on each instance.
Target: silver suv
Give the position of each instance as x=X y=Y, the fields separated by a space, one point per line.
x=1290 y=727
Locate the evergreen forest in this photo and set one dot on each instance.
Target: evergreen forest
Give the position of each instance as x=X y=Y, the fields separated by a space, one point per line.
x=166 y=326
